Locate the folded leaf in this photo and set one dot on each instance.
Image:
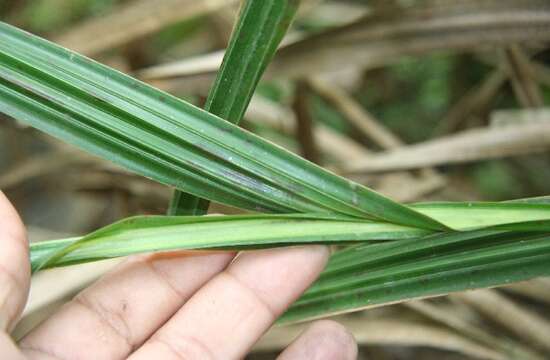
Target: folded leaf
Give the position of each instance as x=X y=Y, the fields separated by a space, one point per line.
x=161 y=137
x=260 y=28
x=365 y=276
x=161 y=233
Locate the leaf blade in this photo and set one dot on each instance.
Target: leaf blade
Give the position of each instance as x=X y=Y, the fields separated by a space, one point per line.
x=424 y=272
x=161 y=137
x=259 y=30
x=163 y=233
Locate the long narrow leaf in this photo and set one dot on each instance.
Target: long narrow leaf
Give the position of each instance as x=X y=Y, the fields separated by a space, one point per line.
x=155 y=233
x=476 y=215
x=148 y=234
x=361 y=276
x=369 y=275
x=260 y=28
x=156 y=135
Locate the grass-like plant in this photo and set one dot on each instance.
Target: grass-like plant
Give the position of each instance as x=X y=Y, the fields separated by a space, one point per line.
x=397 y=251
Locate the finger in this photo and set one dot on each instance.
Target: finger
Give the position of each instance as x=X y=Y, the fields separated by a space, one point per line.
x=324 y=340
x=119 y=312
x=14 y=265
x=228 y=315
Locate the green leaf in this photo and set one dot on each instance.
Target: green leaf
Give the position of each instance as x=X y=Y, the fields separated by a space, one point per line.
x=183 y=203
x=148 y=234
x=364 y=276
x=260 y=28
x=476 y=215
x=259 y=31
x=411 y=265
x=161 y=233
x=161 y=137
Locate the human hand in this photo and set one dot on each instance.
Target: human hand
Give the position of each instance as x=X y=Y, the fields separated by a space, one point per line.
x=168 y=306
